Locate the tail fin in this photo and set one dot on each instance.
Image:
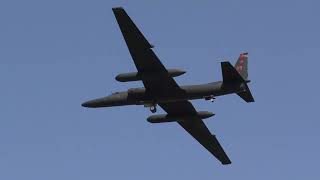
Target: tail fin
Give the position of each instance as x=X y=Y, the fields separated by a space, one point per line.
x=242 y=65
x=238 y=74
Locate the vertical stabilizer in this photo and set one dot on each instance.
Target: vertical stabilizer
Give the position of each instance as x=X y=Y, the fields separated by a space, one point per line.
x=242 y=65
x=238 y=74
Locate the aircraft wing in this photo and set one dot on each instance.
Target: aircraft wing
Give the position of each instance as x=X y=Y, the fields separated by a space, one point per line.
x=154 y=75
x=196 y=127
x=156 y=80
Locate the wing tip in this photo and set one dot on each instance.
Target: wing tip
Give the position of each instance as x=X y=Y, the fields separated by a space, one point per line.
x=226 y=162
x=117 y=9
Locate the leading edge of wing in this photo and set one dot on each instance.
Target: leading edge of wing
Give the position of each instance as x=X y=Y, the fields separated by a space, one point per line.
x=140 y=50
x=130 y=31
x=153 y=73
x=196 y=128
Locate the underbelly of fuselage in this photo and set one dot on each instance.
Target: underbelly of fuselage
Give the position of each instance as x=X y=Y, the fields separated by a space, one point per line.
x=140 y=96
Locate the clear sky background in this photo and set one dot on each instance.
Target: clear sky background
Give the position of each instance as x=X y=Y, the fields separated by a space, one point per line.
x=56 y=54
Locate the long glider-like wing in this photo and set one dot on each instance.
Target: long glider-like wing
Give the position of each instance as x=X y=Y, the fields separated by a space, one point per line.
x=196 y=127
x=154 y=75
x=157 y=81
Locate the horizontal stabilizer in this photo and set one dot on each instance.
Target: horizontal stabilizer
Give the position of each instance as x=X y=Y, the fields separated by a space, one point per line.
x=246 y=95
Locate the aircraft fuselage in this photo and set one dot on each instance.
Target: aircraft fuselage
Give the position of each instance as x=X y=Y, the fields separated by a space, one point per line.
x=140 y=96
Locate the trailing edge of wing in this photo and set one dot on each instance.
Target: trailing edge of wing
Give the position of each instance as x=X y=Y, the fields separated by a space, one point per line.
x=200 y=132
x=220 y=154
x=196 y=128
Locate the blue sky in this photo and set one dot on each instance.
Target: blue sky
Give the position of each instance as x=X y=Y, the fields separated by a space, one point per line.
x=56 y=54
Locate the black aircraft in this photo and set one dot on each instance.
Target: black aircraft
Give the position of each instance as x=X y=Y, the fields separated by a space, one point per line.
x=161 y=89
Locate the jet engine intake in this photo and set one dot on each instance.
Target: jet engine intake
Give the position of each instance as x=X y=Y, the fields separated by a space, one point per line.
x=161 y=118
x=135 y=76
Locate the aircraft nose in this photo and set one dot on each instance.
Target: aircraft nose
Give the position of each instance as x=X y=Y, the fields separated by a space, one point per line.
x=86 y=104
x=90 y=104
x=96 y=103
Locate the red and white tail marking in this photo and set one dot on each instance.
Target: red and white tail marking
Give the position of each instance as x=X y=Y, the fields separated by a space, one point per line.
x=242 y=58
